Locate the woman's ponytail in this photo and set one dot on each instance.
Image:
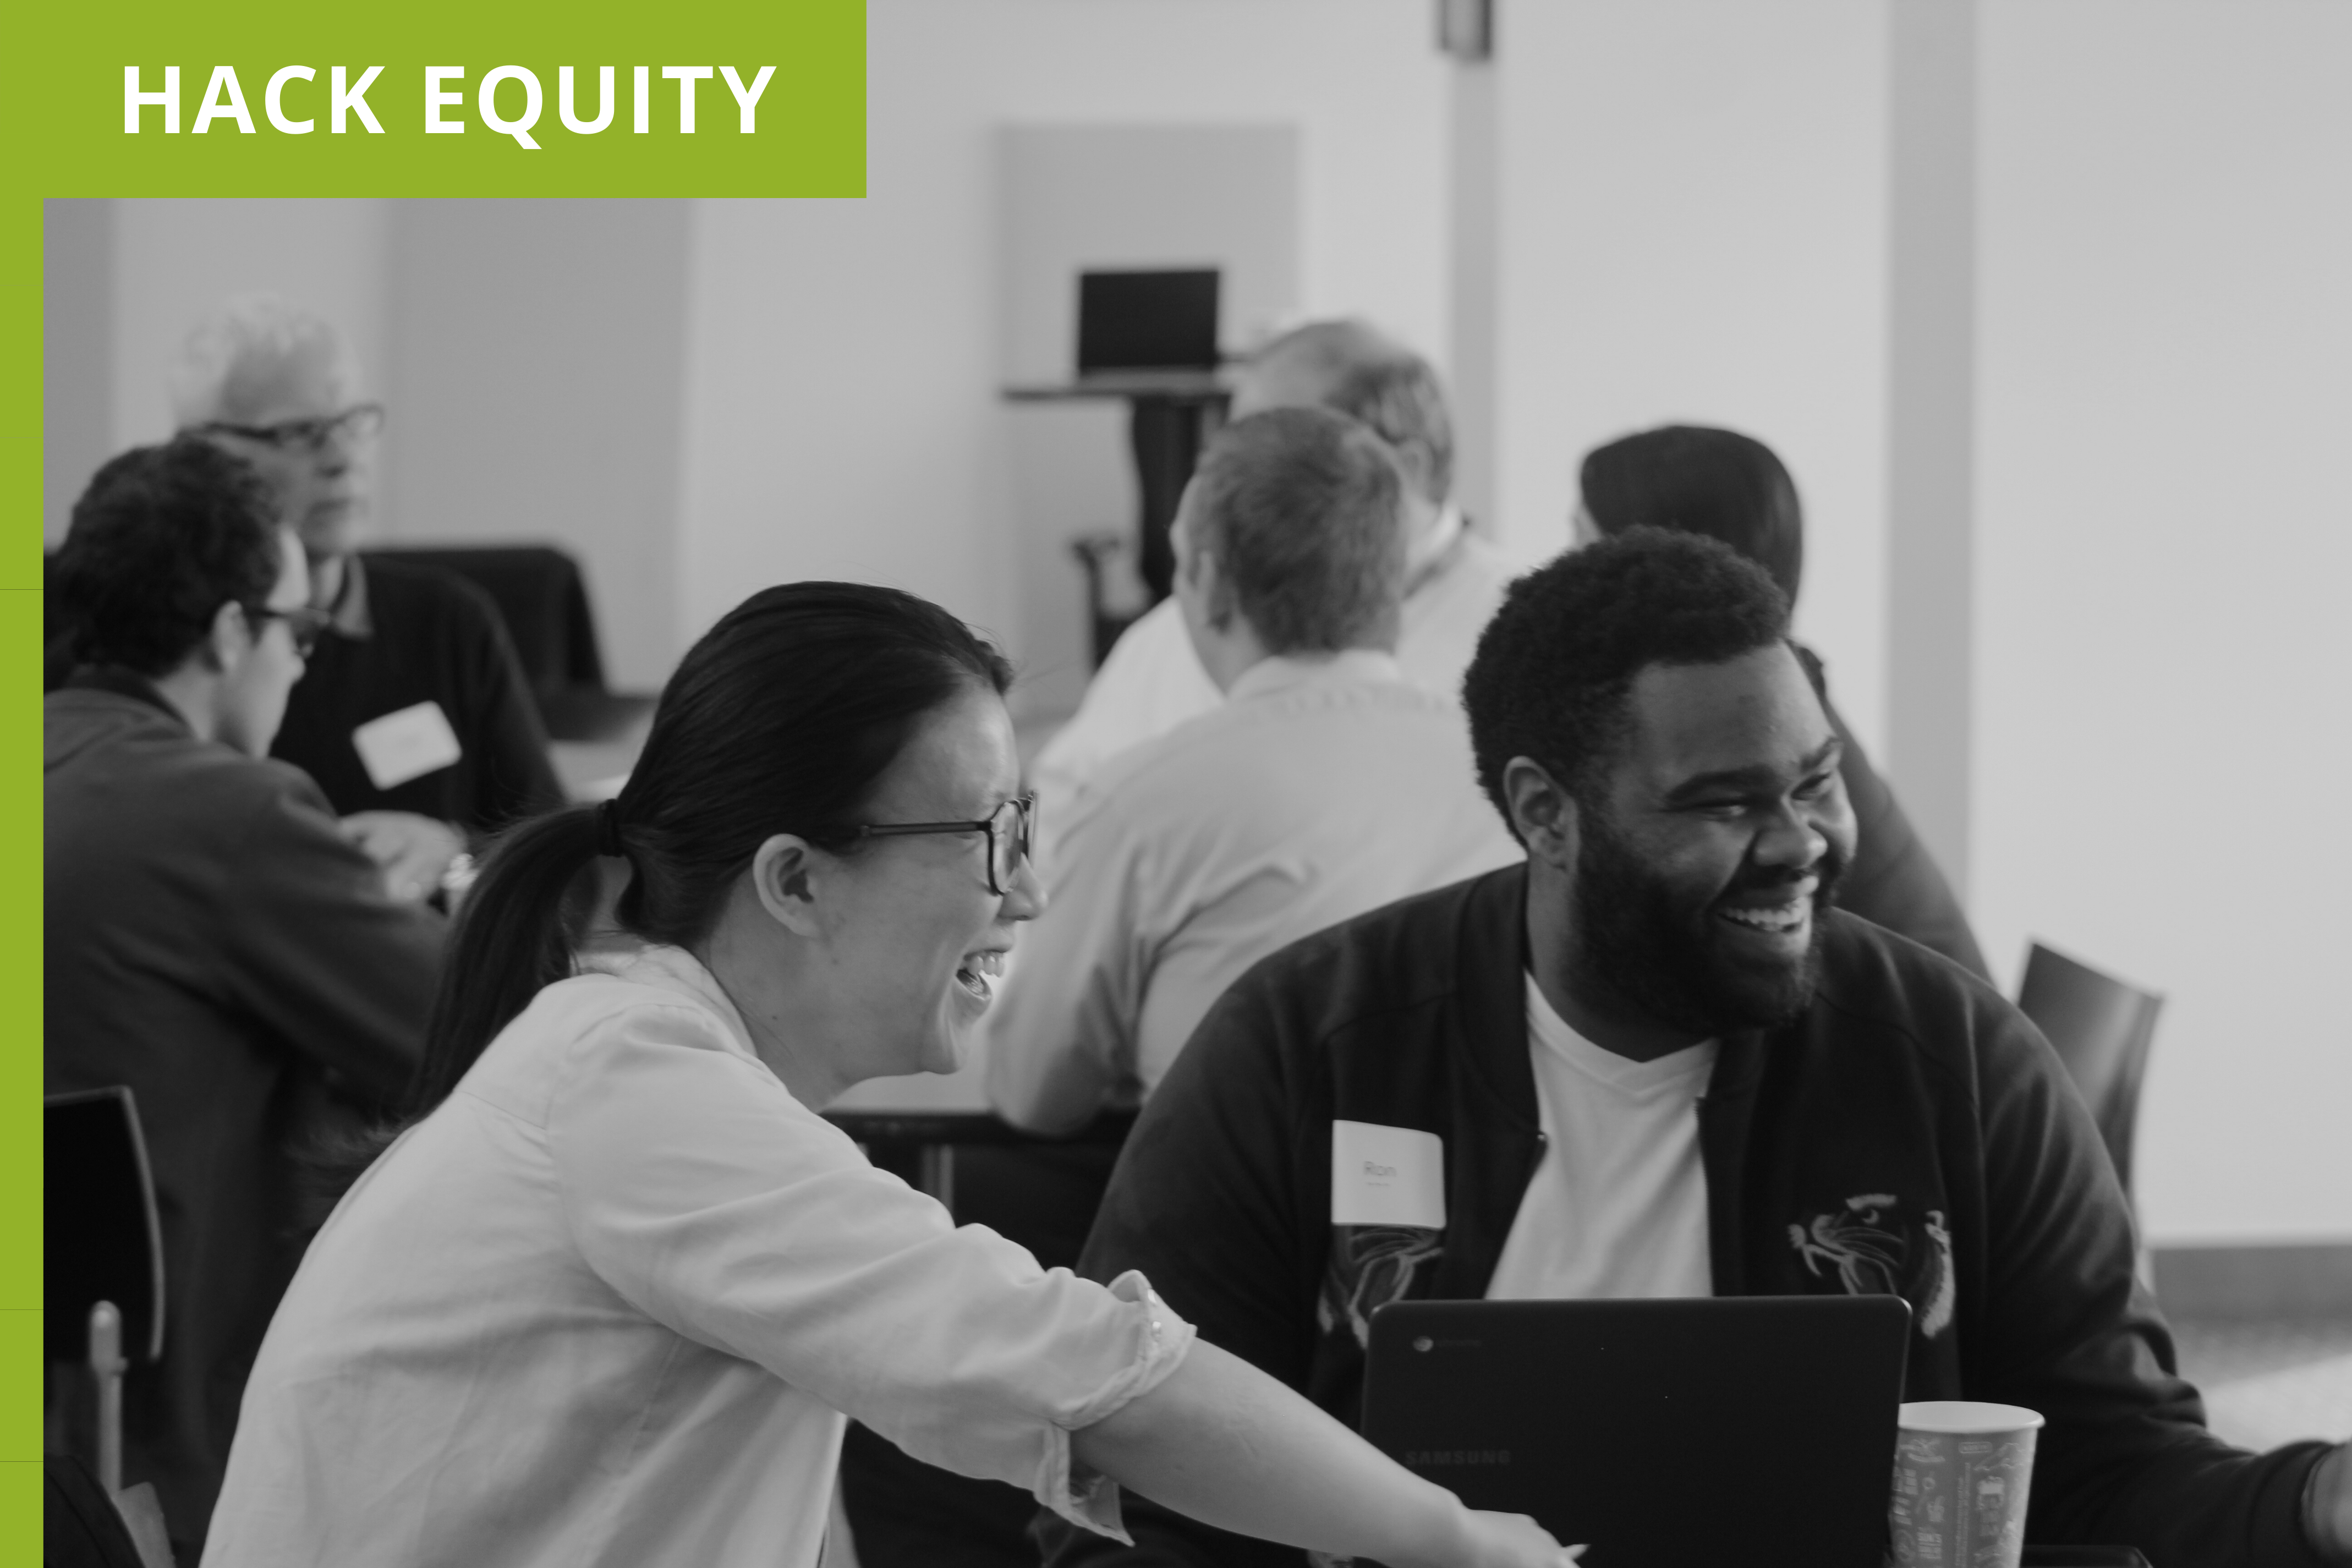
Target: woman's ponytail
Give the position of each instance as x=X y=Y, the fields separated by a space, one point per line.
x=513 y=936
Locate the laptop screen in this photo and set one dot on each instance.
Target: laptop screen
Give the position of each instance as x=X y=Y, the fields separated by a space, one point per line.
x=1668 y=1434
x=1147 y=320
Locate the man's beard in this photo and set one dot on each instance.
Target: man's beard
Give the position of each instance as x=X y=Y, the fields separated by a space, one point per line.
x=1673 y=961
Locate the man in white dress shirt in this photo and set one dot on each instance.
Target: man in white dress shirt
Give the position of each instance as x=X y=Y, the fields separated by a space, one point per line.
x=1325 y=784
x=1153 y=680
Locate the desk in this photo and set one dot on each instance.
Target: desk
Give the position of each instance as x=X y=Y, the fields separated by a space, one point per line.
x=1171 y=413
x=912 y=1126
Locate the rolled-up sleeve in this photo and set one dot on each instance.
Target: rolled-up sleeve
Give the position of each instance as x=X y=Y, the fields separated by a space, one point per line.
x=713 y=1202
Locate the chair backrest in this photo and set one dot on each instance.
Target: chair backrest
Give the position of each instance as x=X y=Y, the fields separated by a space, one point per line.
x=2102 y=1029
x=541 y=596
x=102 y=1241
x=82 y=1526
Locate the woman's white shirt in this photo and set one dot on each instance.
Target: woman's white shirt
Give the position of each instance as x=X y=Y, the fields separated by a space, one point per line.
x=605 y=1304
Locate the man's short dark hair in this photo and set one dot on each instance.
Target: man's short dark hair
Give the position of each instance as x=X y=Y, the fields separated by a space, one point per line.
x=1556 y=665
x=1698 y=479
x=1300 y=507
x=163 y=537
x=1387 y=386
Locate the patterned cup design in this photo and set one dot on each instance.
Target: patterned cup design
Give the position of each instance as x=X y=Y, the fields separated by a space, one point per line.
x=1959 y=1495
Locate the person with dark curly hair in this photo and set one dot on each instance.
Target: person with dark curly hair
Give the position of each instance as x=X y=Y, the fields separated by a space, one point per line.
x=1733 y=488
x=211 y=938
x=1658 y=1061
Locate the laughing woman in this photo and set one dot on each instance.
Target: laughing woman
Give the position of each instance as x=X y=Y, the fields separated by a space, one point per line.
x=608 y=1301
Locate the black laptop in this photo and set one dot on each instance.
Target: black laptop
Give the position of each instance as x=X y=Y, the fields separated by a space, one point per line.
x=1140 y=323
x=1674 y=1434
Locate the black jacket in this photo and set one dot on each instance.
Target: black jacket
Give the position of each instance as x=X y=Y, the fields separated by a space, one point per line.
x=210 y=939
x=1912 y=1132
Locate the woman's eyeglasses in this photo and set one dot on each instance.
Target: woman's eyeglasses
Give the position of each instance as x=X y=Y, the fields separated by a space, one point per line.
x=303 y=623
x=1011 y=831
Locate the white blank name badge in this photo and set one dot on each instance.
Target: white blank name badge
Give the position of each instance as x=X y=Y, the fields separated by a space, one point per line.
x=1387 y=1175
x=405 y=744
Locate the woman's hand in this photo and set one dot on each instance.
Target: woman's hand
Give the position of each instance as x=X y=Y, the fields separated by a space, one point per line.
x=1502 y=1541
x=414 y=852
x=1222 y=1441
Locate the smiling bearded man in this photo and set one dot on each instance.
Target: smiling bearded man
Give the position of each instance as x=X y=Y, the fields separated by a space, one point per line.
x=1642 y=935
x=1655 y=1061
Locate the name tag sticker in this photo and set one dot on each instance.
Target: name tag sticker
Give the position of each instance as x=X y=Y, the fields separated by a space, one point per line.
x=1387 y=1175
x=407 y=744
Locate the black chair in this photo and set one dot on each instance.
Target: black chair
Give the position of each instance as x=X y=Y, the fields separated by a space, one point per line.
x=101 y=1294
x=543 y=599
x=920 y=1147
x=80 y=1525
x=2102 y=1029
x=1101 y=557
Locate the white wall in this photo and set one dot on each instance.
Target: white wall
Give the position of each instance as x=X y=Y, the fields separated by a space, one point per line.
x=1070 y=198
x=1693 y=228
x=843 y=358
x=529 y=354
x=176 y=261
x=2164 y=551
x=534 y=392
x=1073 y=198
x=77 y=353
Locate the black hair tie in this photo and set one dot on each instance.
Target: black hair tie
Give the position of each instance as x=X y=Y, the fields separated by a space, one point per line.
x=608 y=830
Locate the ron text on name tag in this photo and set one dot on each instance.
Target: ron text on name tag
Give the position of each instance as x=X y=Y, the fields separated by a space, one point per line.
x=1387 y=1175
x=407 y=743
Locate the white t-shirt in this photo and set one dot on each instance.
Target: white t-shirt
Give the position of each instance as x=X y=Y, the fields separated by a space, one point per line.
x=1617 y=1207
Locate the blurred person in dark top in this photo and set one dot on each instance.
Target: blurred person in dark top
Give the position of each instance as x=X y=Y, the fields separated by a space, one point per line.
x=1730 y=487
x=414 y=717
x=212 y=937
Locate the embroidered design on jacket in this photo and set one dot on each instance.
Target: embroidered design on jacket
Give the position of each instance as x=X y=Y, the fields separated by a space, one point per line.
x=1872 y=1255
x=1371 y=1264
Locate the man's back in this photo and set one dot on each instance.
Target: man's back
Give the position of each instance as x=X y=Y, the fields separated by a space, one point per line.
x=1319 y=790
x=211 y=942
x=1153 y=681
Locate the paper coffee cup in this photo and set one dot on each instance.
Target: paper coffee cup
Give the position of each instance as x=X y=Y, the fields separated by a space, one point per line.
x=1961 y=1470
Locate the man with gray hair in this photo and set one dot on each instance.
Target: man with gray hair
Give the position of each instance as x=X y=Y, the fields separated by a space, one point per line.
x=1153 y=681
x=1325 y=784
x=414 y=717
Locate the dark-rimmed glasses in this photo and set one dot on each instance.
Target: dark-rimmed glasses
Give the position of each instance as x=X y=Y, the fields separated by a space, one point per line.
x=303 y=622
x=1011 y=831
x=312 y=434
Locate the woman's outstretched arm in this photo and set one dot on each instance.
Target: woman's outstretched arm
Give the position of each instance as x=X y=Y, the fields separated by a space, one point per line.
x=1222 y=1441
